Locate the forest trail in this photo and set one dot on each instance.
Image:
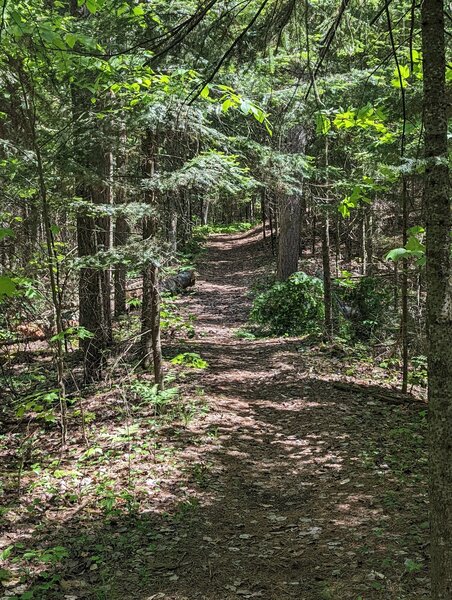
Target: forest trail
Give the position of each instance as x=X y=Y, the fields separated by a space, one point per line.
x=292 y=496
x=261 y=479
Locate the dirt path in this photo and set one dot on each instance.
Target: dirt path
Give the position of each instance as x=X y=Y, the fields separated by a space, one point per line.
x=284 y=487
x=302 y=491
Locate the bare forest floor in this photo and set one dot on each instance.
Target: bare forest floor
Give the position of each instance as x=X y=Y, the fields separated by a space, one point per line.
x=271 y=483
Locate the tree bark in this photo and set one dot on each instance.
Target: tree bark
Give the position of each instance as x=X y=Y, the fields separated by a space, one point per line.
x=122 y=230
x=327 y=292
x=150 y=310
x=404 y=316
x=289 y=237
x=439 y=297
x=89 y=231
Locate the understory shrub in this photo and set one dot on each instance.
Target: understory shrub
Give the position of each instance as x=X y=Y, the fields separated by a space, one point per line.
x=292 y=307
x=366 y=305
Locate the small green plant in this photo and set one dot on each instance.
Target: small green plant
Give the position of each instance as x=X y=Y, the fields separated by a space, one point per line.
x=244 y=334
x=148 y=393
x=191 y=360
x=292 y=307
x=39 y=404
x=49 y=555
x=418 y=375
x=134 y=303
x=205 y=230
x=172 y=322
x=412 y=566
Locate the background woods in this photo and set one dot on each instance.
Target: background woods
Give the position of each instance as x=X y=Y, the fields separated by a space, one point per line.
x=305 y=143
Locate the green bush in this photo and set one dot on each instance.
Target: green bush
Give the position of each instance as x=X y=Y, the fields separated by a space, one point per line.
x=369 y=301
x=292 y=307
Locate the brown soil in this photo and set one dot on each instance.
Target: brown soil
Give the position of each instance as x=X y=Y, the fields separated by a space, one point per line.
x=286 y=488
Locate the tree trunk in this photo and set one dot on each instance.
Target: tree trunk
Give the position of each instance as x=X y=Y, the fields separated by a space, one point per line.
x=369 y=249
x=122 y=230
x=404 y=316
x=105 y=241
x=205 y=211
x=289 y=237
x=172 y=224
x=327 y=292
x=155 y=327
x=150 y=310
x=439 y=297
x=89 y=230
x=90 y=302
x=149 y=231
x=263 y=213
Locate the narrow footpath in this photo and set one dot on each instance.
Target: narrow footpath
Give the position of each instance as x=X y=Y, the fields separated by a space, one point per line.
x=303 y=491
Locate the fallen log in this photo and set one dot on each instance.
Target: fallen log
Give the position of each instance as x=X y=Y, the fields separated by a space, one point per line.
x=390 y=397
x=179 y=282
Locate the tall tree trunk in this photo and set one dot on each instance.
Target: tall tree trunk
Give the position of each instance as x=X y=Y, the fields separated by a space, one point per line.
x=289 y=237
x=369 y=248
x=205 y=211
x=150 y=310
x=313 y=232
x=404 y=316
x=439 y=297
x=172 y=223
x=105 y=240
x=327 y=292
x=121 y=230
x=91 y=305
x=149 y=231
x=155 y=327
x=90 y=301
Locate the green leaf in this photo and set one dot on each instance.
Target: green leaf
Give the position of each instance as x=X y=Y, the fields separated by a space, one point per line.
x=92 y=6
x=402 y=73
x=396 y=254
x=323 y=124
x=138 y=11
x=7 y=286
x=6 y=232
x=5 y=575
x=6 y=552
x=416 y=230
x=227 y=105
x=70 y=39
x=414 y=245
x=205 y=92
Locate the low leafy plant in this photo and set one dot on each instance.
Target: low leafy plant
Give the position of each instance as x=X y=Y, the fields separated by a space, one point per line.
x=171 y=320
x=418 y=375
x=292 y=307
x=364 y=304
x=39 y=405
x=191 y=360
x=244 y=334
x=149 y=393
x=231 y=228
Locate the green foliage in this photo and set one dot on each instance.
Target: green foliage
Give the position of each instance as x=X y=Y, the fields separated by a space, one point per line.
x=293 y=307
x=48 y=555
x=172 y=321
x=39 y=405
x=368 y=300
x=205 y=230
x=414 y=248
x=191 y=360
x=7 y=287
x=418 y=373
x=149 y=394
